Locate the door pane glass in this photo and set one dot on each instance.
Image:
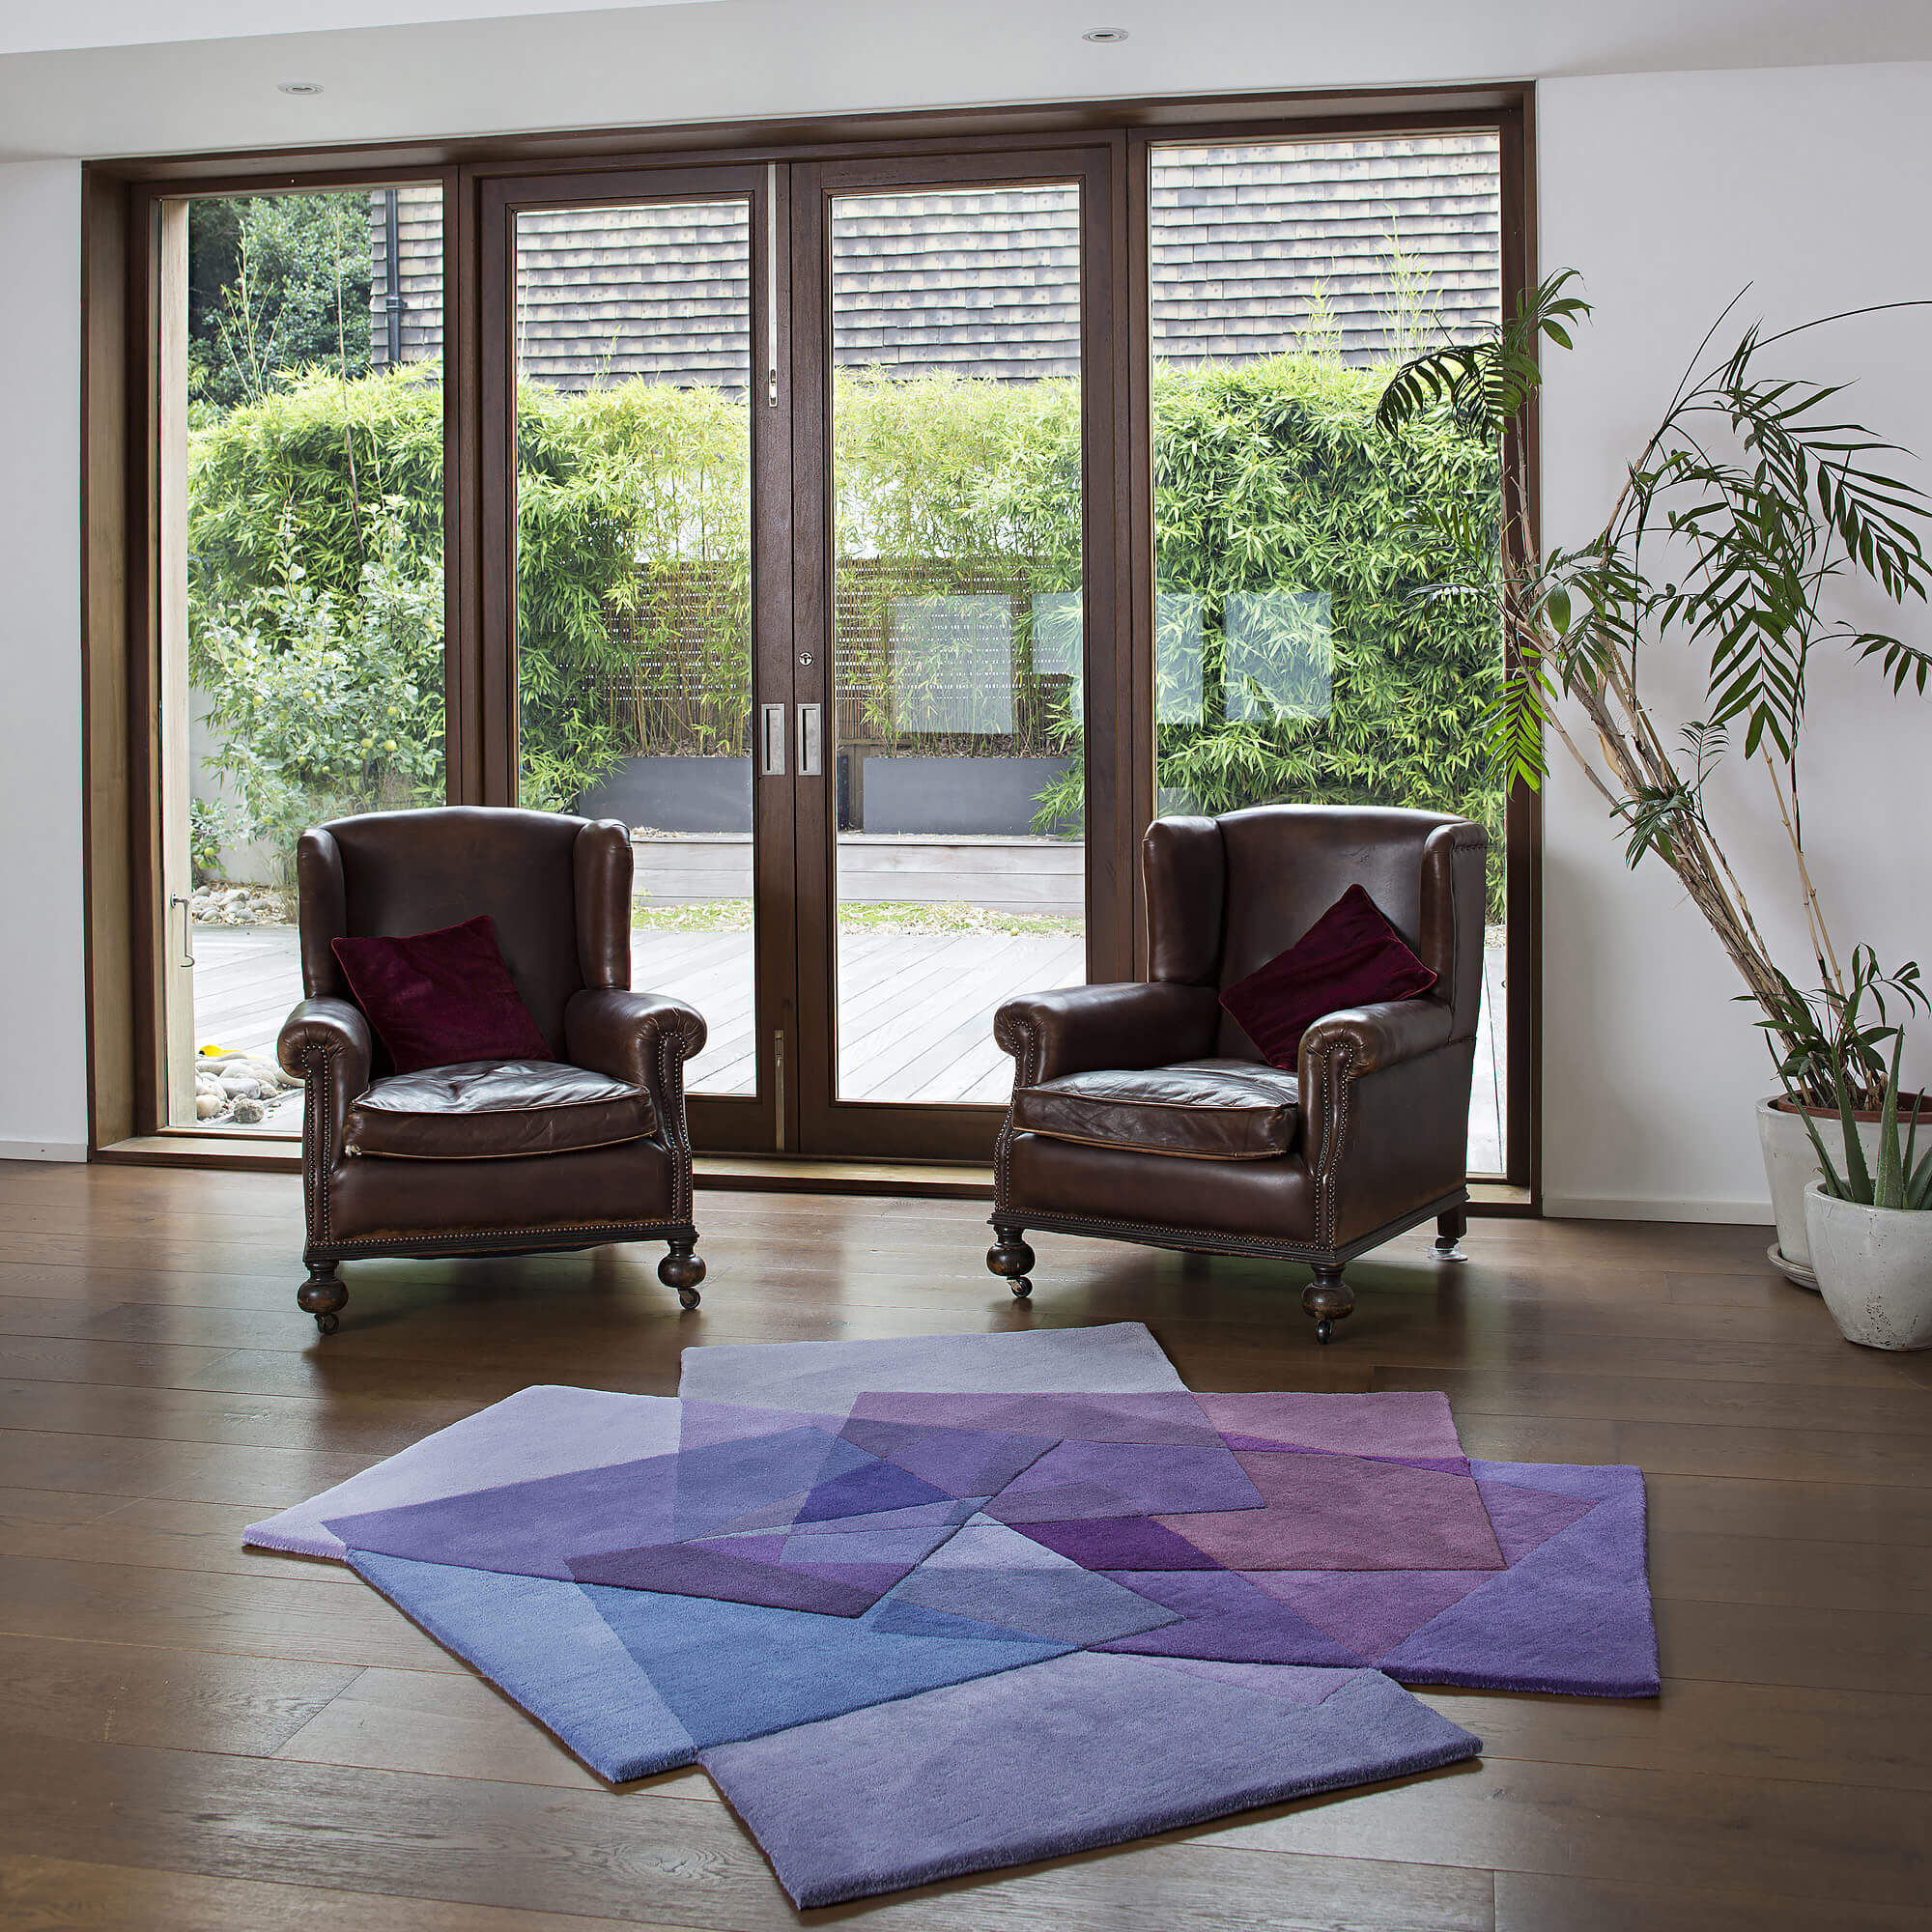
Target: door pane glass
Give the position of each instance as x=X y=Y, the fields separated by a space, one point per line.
x=957 y=629
x=1293 y=659
x=634 y=576
x=311 y=434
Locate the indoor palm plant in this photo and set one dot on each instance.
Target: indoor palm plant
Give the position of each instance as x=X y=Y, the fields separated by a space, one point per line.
x=1871 y=1226
x=1741 y=518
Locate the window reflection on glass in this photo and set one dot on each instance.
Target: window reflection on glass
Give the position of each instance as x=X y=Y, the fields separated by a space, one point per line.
x=1279 y=660
x=952 y=665
x=1177 y=656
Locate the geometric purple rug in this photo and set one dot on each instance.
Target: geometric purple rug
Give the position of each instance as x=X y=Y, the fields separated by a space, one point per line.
x=930 y=1607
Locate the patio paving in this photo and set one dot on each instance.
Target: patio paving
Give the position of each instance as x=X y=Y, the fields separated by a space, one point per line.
x=916 y=1021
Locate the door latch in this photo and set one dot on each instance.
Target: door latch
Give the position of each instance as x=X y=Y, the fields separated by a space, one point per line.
x=773 y=731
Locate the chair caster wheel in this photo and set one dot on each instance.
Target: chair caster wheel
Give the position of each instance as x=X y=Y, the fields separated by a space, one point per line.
x=1324 y=1331
x=327 y=1324
x=688 y=1297
x=1022 y=1288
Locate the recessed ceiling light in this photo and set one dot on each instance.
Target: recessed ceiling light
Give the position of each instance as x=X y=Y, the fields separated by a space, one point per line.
x=1106 y=35
x=299 y=87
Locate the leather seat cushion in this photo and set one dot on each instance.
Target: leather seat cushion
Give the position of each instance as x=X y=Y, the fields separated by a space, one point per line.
x=1204 y=1109
x=494 y=1110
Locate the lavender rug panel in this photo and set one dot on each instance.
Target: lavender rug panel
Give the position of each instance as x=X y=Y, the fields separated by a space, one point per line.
x=535 y=1528
x=1119 y=1542
x=542 y=1644
x=1525 y=1519
x=1573 y=1617
x=827 y=1377
x=1368 y=1611
x=960 y=1461
x=706 y=1570
x=704 y=1424
x=529 y=1529
x=866 y=1489
x=1327 y=1512
x=737 y=1671
x=1293 y=1683
x=542 y=1431
x=993 y=1575
x=1125 y=1479
x=1398 y=1425
x=1064 y=1756
x=1225 y=1619
x=1172 y=1418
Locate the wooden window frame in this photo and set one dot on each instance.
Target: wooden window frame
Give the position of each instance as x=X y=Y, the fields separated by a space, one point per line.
x=120 y=494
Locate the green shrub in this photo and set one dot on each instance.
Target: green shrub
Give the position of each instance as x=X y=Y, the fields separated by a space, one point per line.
x=316 y=540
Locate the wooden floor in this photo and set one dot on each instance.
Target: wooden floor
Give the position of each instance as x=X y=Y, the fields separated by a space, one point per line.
x=201 y=1737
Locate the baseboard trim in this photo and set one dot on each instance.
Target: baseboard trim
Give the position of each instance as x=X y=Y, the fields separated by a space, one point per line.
x=1612 y=1207
x=777 y=1174
x=43 y=1150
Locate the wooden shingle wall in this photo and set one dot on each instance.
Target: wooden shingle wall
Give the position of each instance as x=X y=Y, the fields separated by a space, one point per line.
x=1364 y=247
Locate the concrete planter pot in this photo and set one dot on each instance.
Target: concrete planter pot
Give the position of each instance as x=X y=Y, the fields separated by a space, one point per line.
x=1790 y=1167
x=1874 y=1267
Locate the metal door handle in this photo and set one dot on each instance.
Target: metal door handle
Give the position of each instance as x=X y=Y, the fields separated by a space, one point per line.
x=808 y=741
x=774 y=728
x=186 y=905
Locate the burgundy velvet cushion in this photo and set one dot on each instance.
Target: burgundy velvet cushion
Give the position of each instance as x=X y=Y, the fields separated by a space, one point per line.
x=439 y=999
x=1351 y=957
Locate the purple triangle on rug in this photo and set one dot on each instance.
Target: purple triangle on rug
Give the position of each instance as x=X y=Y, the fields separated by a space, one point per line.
x=1574 y=1616
x=1226 y=1620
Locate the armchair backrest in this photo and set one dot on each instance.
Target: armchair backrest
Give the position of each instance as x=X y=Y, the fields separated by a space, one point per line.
x=1226 y=895
x=557 y=888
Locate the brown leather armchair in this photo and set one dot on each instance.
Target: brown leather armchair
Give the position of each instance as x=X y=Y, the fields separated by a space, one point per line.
x=493 y=1156
x=1143 y=1113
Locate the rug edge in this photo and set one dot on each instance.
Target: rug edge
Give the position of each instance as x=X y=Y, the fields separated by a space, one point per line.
x=1450 y=1750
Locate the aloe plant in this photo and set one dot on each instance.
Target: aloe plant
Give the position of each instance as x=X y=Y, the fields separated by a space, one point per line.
x=1899 y=1181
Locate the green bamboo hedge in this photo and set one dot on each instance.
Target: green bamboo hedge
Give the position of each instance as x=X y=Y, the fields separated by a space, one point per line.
x=316 y=568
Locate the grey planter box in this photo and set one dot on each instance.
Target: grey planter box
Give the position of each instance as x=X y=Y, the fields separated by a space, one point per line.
x=995 y=796
x=675 y=794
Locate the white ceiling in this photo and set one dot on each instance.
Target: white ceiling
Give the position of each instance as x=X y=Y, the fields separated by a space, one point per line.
x=47 y=26
x=101 y=93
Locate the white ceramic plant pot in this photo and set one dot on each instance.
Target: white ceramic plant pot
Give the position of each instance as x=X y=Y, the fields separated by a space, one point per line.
x=1874 y=1269
x=1790 y=1167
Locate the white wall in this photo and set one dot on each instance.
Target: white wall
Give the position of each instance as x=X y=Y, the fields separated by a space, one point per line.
x=1671 y=192
x=43 y=1007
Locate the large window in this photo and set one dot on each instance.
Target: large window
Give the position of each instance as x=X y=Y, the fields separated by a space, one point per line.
x=880 y=533
x=303 y=629
x=1299 y=655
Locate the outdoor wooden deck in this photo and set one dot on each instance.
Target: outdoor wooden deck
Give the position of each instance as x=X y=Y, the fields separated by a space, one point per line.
x=916 y=1021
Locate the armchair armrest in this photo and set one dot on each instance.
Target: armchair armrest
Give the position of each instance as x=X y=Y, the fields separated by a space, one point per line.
x=642 y=1038
x=326 y=1044
x=1083 y=1029
x=336 y=1028
x=1375 y=1036
x=1341 y=1048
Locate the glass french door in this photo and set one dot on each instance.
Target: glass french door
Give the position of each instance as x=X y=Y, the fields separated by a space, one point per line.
x=797 y=517
x=955 y=464
x=634 y=454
